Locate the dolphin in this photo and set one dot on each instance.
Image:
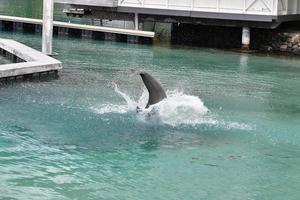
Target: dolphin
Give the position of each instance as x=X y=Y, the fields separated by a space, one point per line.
x=156 y=92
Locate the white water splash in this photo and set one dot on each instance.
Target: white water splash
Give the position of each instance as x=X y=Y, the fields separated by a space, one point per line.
x=131 y=105
x=177 y=109
x=110 y=108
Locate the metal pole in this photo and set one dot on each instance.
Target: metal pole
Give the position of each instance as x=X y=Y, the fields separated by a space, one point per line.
x=136 y=21
x=47 y=27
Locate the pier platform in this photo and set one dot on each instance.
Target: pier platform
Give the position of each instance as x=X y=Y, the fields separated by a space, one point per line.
x=139 y=33
x=30 y=61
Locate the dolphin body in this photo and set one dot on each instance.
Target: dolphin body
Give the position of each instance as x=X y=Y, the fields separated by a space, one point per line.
x=156 y=92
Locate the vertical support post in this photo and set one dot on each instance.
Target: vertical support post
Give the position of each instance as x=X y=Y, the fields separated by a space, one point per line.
x=136 y=21
x=275 y=8
x=192 y=4
x=286 y=5
x=246 y=38
x=47 y=27
x=295 y=7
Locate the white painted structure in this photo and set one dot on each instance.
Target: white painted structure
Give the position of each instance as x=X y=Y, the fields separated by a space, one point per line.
x=242 y=10
x=222 y=9
x=35 y=61
x=246 y=38
x=47 y=36
x=288 y=7
x=148 y=34
x=257 y=7
x=136 y=21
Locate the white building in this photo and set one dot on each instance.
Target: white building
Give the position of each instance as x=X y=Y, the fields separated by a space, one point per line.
x=247 y=10
x=239 y=13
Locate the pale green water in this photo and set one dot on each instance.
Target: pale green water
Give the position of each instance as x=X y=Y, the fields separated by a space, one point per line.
x=72 y=138
x=57 y=142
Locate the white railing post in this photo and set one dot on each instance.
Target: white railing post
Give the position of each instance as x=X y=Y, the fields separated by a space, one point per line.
x=275 y=7
x=244 y=8
x=286 y=6
x=296 y=7
x=136 y=21
x=192 y=4
x=47 y=27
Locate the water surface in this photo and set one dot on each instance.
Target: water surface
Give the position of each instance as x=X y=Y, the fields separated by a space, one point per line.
x=74 y=137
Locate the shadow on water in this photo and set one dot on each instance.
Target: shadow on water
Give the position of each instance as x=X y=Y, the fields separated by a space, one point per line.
x=30 y=78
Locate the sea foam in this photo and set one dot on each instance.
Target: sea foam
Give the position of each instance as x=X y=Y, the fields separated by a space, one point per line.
x=178 y=109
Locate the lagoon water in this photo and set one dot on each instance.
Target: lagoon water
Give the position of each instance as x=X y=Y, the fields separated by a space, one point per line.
x=231 y=129
x=76 y=138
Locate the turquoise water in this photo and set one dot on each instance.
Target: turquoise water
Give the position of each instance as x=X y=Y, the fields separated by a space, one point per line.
x=76 y=138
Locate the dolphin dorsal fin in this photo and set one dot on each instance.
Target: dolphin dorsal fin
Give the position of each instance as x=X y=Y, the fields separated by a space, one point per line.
x=156 y=92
